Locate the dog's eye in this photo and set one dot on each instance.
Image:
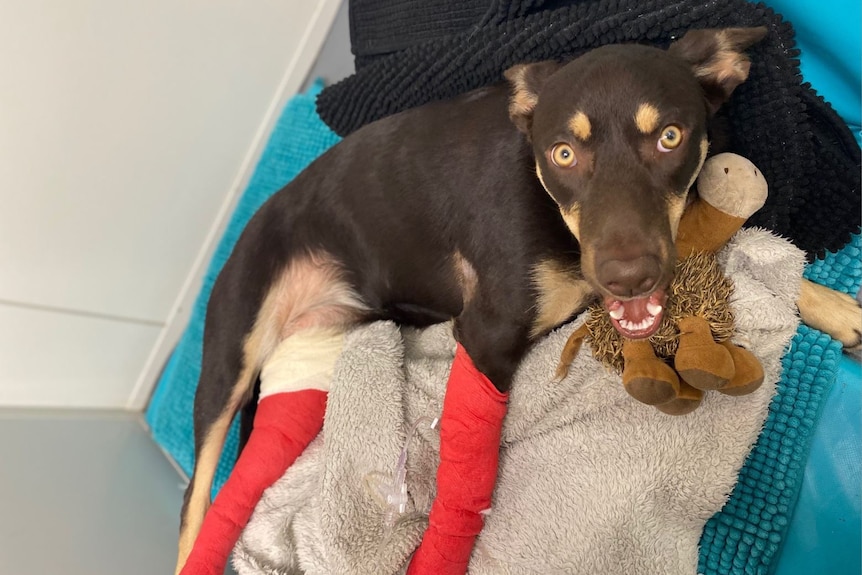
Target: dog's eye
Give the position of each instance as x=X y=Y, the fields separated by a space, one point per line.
x=671 y=138
x=563 y=155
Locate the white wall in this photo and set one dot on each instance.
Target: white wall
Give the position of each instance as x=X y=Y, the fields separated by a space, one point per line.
x=126 y=132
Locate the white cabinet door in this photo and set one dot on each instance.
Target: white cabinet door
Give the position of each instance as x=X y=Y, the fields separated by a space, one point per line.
x=125 y=130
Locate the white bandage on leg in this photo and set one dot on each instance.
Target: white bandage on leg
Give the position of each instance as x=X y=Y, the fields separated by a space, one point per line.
x=304 y=360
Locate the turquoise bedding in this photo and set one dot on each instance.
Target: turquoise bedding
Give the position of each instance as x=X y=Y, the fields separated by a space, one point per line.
x=828 y=35
x=825 y=532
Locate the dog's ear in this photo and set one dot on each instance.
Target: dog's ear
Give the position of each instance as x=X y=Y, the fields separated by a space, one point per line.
x=718 y=59
x=527 y=81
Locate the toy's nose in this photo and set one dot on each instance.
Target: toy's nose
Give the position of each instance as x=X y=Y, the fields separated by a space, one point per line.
x=631 y=277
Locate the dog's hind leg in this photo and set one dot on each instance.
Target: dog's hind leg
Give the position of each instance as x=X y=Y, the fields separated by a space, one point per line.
x=294 y=387
x=295 y=340
x=246 y=418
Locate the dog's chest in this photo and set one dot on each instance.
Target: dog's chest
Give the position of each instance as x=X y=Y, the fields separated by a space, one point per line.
x=560 y=293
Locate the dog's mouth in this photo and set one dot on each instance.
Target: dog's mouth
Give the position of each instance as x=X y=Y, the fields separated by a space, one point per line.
x=637 y=318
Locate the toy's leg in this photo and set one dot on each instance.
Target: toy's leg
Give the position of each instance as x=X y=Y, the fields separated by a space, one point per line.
x=700 y=361
x=647 y=378
x=688 y=400
x=294 y=384
x=570 y=351
x=749 y=371
x=470 y=426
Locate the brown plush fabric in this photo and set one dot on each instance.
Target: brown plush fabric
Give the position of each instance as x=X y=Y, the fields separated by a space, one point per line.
x=704 y=228
x=700 y=361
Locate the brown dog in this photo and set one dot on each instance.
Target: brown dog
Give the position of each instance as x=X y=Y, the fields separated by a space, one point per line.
x=509 y=209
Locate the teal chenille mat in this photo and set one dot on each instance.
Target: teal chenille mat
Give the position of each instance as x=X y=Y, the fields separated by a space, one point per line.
x=743 y=538
x=746 y=535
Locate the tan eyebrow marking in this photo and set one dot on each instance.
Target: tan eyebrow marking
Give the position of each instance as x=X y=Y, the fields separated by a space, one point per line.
x=580 y=126
x=646 y=118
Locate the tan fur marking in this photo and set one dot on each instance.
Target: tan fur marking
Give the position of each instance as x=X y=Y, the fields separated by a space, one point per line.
x=541 y=179
x=704 y=149
x=523 y=100
x=580 y=126
x=676 y=209
x=832 y=312
x=572 y=218
x=309 y=293
x=562 y=292
x=588 y=261
x=646 y=118
x=467 y=277
x=726 y=62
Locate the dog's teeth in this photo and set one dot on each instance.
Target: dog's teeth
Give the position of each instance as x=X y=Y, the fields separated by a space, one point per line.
x=644 y=324
x=617 y=313
x=653 y=308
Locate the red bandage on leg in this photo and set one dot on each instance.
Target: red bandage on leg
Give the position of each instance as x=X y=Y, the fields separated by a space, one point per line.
x=284 y=425
x=473 y=412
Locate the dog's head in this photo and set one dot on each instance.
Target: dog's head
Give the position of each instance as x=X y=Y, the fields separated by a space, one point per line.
x=619 y=136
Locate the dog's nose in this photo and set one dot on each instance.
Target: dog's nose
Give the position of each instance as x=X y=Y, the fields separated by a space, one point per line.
x=630 y=278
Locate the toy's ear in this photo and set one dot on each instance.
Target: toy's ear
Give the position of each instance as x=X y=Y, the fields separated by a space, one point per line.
x=527 y=81
x=718 y=59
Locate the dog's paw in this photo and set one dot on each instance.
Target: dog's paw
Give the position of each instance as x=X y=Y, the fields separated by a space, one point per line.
x=833 y=312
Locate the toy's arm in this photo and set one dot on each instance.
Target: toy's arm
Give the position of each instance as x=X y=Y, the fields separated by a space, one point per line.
x=731 y=189
x=704 y=228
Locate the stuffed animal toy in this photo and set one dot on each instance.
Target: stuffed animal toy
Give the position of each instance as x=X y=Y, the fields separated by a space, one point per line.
x=697 y=325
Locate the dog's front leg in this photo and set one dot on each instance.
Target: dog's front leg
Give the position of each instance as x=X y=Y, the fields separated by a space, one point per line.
x=833 y=312
x=470 y=427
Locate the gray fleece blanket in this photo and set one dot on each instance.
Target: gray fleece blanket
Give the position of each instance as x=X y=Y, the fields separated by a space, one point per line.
x=590 y=480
